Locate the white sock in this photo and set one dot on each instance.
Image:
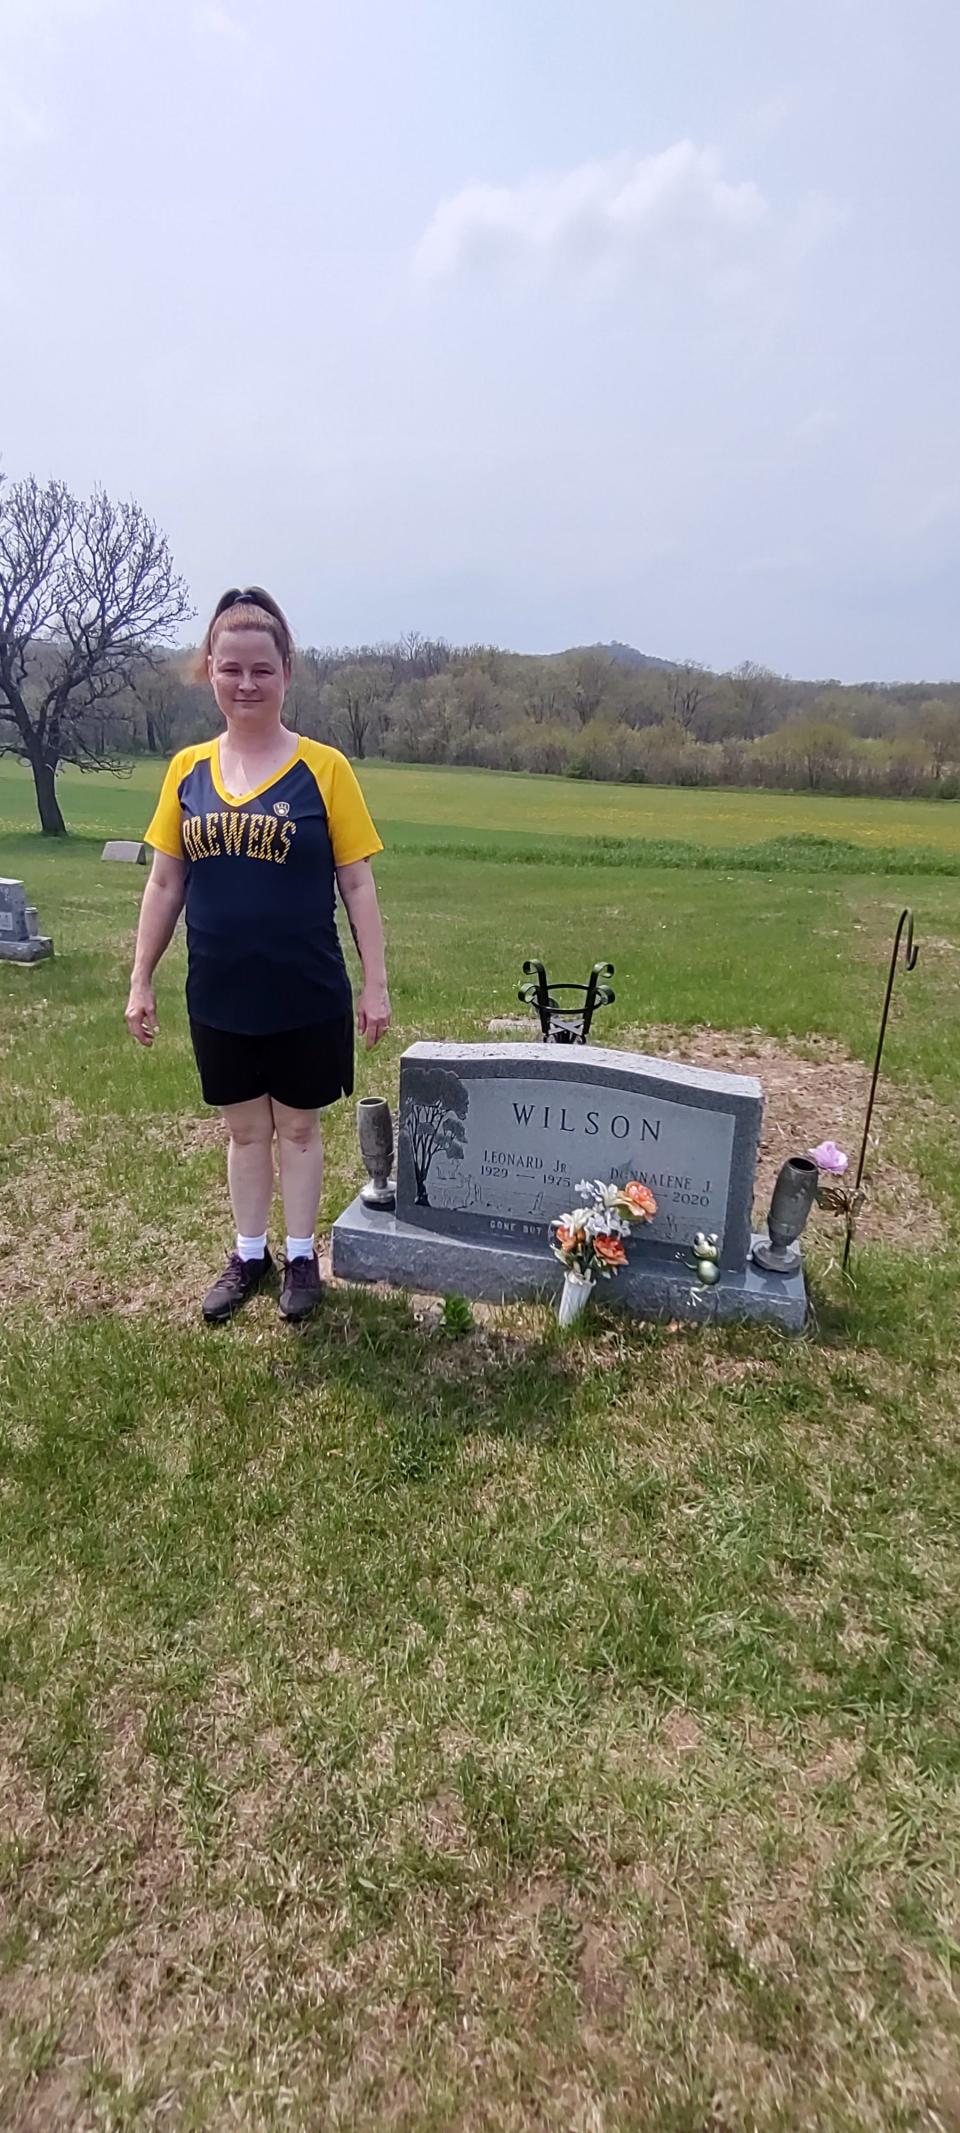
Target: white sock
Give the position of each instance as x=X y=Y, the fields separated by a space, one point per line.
x=299 y=1247
x=251 y=1247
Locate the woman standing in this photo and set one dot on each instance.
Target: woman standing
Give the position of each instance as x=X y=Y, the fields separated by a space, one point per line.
x=254 y=832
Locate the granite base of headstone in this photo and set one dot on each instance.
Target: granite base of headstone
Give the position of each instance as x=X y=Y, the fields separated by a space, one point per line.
x=126 y=848
x=21 y=940
x=492 y=1142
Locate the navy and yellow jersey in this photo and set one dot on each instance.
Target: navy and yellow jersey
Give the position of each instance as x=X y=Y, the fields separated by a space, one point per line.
x=262 y=942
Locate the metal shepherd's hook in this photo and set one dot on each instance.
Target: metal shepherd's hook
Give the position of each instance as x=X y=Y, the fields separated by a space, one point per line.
x=910 y=957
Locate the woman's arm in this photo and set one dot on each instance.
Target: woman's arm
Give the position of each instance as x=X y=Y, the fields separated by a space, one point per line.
x=159 y=912
x=358 y=890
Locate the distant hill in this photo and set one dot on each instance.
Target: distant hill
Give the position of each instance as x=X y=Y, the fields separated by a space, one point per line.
x=623 y=655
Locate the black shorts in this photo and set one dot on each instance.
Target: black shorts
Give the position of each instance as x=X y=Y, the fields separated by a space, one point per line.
x=303 y=1068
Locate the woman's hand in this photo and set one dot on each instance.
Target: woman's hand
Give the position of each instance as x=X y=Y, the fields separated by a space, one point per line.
x=356 y=885
x=373 y=1013
x=140 y=1013
x=159 y=911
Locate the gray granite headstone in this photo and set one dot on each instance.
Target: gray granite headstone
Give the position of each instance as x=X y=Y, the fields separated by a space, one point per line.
x=493 y=1140
x=126 y=848
x=20 y=938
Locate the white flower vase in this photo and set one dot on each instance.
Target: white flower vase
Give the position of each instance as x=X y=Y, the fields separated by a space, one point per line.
x=574 y=1296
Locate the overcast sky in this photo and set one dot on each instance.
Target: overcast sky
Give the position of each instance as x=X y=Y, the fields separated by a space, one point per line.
x=534 y=322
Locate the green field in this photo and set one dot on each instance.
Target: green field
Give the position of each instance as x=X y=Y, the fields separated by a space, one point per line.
x=410 y=1732
x=412 y=802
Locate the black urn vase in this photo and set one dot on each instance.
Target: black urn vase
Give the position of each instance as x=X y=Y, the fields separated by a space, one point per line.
x=793 y=1196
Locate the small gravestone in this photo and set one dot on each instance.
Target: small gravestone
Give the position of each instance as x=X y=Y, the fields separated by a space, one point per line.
x=21 y=940
x=493 y=1140
x=126 y=848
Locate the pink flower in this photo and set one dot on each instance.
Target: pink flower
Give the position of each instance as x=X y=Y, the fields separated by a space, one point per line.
x=831 y=1158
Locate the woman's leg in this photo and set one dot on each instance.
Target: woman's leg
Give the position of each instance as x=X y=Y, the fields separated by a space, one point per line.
x=250 y=1164
x=250 y=1176
x=300 y=1150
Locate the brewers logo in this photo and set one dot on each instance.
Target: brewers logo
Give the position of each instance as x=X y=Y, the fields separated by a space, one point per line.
x=281 y=807
x=237 y=835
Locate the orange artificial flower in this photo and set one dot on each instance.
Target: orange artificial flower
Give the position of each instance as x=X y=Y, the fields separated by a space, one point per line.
x=610 y=1250
x=569 y=1240
x=641 y=1199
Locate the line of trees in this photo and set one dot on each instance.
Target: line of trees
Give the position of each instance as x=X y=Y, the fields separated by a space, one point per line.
x=90 y=603
x=584 y=714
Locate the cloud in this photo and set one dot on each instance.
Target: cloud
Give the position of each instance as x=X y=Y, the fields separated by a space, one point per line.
x=221 y=24
x=36 y=41
x=628 y=211
x=44 y=19
x=820 y=422
x=774 y=113
x=25 y=125
x=940 y=508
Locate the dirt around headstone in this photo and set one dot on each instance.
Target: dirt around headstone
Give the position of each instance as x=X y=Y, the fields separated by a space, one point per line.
x=813 y=1094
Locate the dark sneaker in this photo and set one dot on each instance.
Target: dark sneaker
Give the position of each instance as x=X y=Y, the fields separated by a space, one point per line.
x=241 y=1278
x=302 y=1287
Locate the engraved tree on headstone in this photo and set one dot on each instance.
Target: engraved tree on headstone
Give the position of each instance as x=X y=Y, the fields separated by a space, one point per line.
x=434 y=1111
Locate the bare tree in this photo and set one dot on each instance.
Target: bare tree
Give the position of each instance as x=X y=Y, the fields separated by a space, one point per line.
x=305 y=706
x=591 y=676
x=157 y=694
x=87 y=586
x=421 y=657
x=686 y=687
x=358 y=695
x=474 y=697
x=939 y=725
x=542 y=695
x=754 y=692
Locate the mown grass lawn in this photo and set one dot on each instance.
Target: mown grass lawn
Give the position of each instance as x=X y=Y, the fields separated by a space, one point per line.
x=490 y=1733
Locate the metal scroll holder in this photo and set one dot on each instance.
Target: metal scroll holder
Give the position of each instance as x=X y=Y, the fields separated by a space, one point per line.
x=562 y=1022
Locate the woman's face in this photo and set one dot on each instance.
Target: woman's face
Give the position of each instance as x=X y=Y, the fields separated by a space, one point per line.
x=247 y=676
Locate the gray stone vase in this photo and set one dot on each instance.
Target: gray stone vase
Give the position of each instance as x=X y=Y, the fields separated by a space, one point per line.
x=793 y=1197
x=375 y=1134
